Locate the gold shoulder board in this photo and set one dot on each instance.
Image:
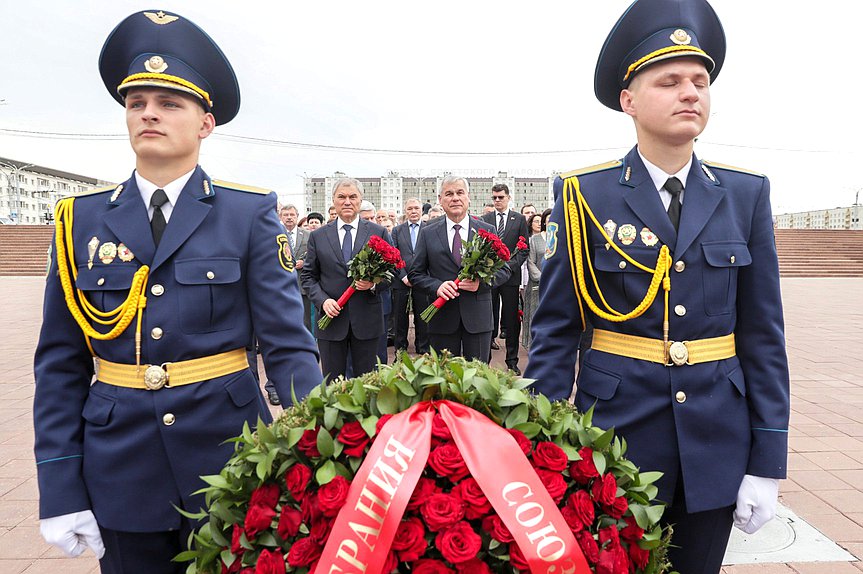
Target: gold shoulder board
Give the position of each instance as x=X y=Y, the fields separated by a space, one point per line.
x=592 y=169
x=241 y=187
x=726 y=167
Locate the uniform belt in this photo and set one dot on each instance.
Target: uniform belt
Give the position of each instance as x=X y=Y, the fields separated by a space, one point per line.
x=154 y=377
x=677 y=354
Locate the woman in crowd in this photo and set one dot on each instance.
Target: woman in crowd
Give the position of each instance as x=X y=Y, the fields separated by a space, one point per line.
x=536 y=226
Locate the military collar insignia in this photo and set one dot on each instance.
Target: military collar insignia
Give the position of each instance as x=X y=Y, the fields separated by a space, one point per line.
x=709 y=173
x=116 y=193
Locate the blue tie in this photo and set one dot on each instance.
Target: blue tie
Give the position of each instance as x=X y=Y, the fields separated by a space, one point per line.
x=346 y=243
x=413 y=235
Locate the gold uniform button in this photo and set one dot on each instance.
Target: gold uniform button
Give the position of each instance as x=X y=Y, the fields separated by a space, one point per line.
x=679 y=266
x=732 y=259
x=622 y=264
x=157 y=290
x=156 y=333
x=211 y=275
x=101 y=281
x=680 y=397
x=679 y=310
x=169 y=419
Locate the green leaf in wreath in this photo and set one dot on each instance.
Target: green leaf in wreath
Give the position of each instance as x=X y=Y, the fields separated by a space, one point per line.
x=512 y=397
x=516 y=416
x=294 y=436
x=331 y=415
x=325 y=443
x=599 y=461
x=216 y=480
x=404 y=387
x=370 y=424
x=654 y=513
x=543 y=407
x=529 y=429
x=326 y=473
x=388 y=402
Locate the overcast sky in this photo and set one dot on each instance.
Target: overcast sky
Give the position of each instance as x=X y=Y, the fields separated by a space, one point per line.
x=444 y=76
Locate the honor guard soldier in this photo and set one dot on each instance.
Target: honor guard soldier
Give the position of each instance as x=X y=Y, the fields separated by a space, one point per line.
x=154 y=290
x=672 y=260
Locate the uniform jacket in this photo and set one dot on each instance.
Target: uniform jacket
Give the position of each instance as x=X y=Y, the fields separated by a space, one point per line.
x=434 y=263
x=516 y=227
x=214 y=279
x=734 y=418
x=402 y=240
x=325 y=276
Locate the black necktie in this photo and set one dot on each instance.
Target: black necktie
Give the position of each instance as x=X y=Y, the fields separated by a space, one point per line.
x=456 y=244
x=346 y=243
x=499 y=224
x=158 y=223
x=674 y=187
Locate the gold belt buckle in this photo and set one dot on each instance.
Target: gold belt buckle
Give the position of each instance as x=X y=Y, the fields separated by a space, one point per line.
x=156 y=377
x=678 y=353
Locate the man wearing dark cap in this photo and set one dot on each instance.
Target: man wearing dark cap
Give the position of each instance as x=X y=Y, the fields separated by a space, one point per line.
x=672 y=260
x=154 y=290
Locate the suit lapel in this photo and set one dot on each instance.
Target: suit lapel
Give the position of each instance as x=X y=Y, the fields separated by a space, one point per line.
x=130 y=223
x=442 y=235
x=332 y=232
x=364 y=231
x=644 y=200
x=512 y=226
x=700 y=199
x=187 y=216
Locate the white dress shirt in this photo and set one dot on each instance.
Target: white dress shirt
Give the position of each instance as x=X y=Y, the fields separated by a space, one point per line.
x=450 y=231
x=497 y=215
x=172 y=190
x=659 y=178
x=341 y=229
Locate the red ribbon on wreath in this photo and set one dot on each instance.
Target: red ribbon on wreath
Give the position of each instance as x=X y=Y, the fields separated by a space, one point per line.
x=366 y=526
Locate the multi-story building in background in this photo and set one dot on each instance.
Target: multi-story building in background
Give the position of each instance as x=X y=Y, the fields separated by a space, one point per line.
x=28 y=192
x=837 y=218
x=390 y=191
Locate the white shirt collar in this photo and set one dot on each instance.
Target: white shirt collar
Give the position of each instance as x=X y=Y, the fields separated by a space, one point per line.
x=465 y=223
x=172 y=190
x=354 y=223
x=659 y=177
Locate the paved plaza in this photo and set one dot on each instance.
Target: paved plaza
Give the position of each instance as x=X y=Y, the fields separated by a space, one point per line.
x=824 y=325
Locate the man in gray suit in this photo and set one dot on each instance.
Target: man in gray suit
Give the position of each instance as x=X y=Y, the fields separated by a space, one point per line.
x=405 y=237
x=463 y=325
x=356 y=327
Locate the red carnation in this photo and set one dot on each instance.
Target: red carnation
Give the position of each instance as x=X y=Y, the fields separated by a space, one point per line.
x=297 y=480
x=429 y=566
x=554 y=483
x=477 y=503
x=583 y=470
x=639 y=556
x=458 y=543
x=447 y=461
x=303 y=552
x=289 y=522
x=497 y=529
x=442 y=510
x=424 y=489
x=410 y=542
x=604 y=491
x=308 y=444
x=265 y=495
x=523 y=442
x=270 y=562
x=517 y=559
x=332 y=495
x=582 y=507
x=549 y=455
x=522 y=244
x=354 y=438
x=236 y=545
x=588 y=546
x=258 y=518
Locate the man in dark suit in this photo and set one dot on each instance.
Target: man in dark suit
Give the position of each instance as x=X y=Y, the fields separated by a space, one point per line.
x=405 y=237
x=199 y=267
x=509 y=226
x=695 y=380
x=463 y=324
x=356 y=327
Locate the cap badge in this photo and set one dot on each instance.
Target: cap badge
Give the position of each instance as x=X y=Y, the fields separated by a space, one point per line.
x=156 y=65
x=680 y=37
x=160 y=17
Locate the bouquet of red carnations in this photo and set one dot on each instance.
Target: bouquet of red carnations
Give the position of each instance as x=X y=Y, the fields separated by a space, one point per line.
x=375 y=262
x=482 y=256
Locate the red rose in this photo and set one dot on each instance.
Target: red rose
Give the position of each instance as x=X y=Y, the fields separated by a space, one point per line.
x=572 y=520
x=311 y=509
x=354 y=438
x=549 y=455
x=473 y=566
x=381 y=422
x=442 y=510
x=497 y=529
x=517 y=559
x=424 y=489
x=522 y=244
x=235 y=567
x=236 y=546
x=612 y=560
x=258 y=518
x=582 y=507
x=265 y=495
x=303 y=552
x=523 y=442
x=320 y=530
x=609 y=536
x=270 y=562
x=447 y=461
x=583 y=470
x=308 y=444
x=410 y=542
x=332 y=495
x=289 y=522
x=554 y=483
x=639 y=556
x=439 y=428
x=297 y=480
x=618 y=509
x=477 y=503
x=429 y=566
x=459 y=543
x=604 y=491
x=391 y=563
x=632 y=532
x=588 y=546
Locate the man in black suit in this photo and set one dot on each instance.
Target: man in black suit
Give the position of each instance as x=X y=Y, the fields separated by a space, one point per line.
x=356 y=327
x=463 y=324
x=405 y=237
x=509 y=226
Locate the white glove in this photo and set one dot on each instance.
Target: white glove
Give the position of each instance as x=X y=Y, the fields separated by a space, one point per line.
x=73 y=533
x=756 y=502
